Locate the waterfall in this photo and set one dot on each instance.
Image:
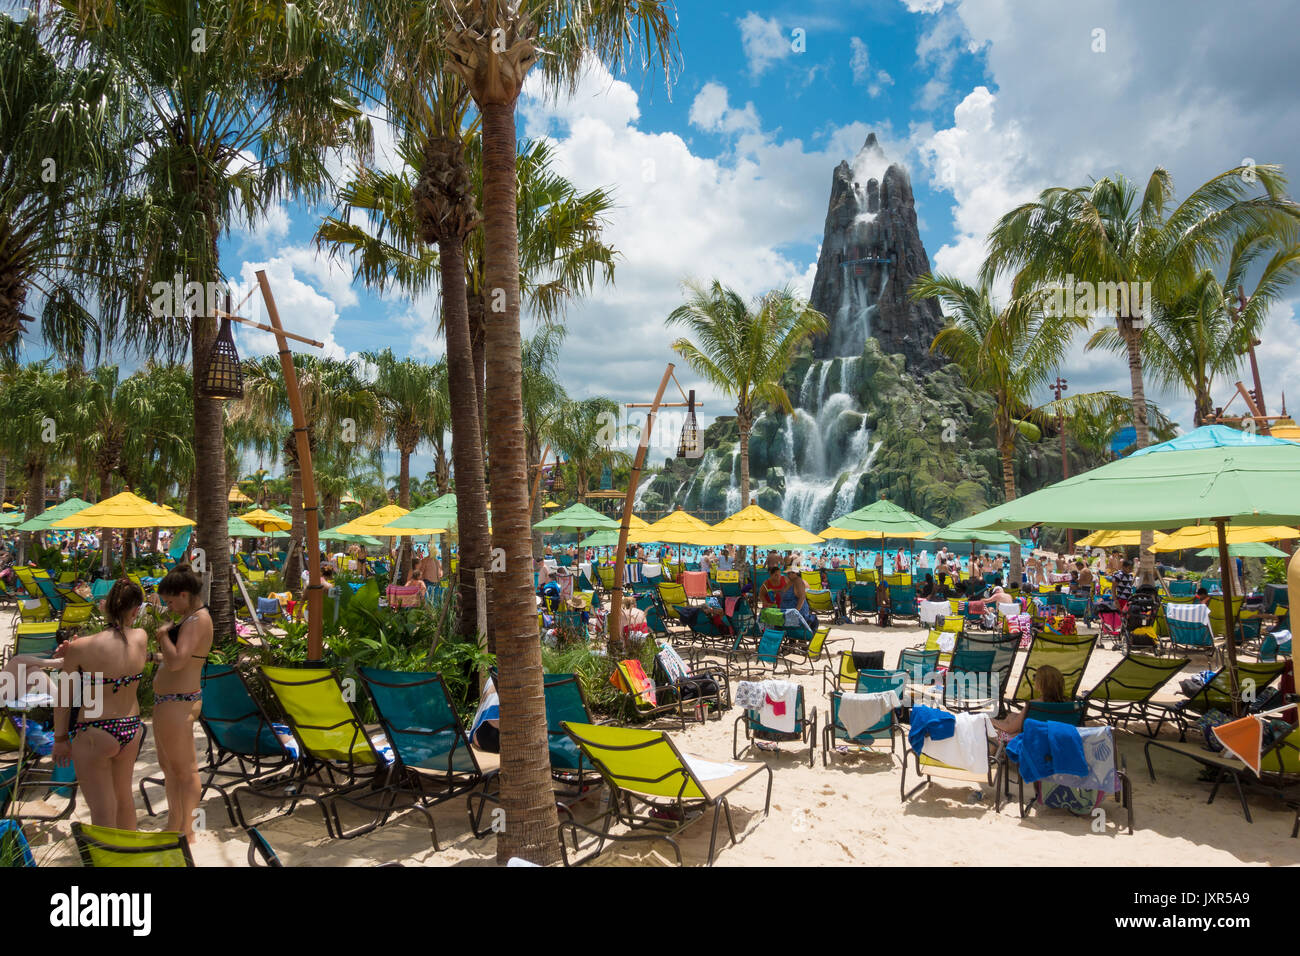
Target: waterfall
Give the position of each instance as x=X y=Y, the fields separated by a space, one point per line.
x=646 y=482
x=804 y=397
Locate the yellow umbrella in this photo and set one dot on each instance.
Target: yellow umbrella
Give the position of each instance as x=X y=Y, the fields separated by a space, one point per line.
x=1116 y=539
x=376 y=524
x=237 y=497
x=676 y=527
x=267 y=520
x=124 y=511
x=1204 y=536
x=550 y=506
x=754 y=527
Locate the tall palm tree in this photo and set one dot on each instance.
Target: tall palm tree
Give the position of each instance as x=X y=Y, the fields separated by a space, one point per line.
x=64 y=133
x=1009 y=354
x=744 y=353
x=578 y=430
x=333 y=393
x=1107 y=234
x=493 y=45
x=1198 y=336
x=246 y=102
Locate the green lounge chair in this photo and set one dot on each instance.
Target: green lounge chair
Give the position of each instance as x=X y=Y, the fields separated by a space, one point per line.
x=1125 y=693
x=1068 y=654
x=108 y=846
x=1002 y=649
x=655 y=791
x=756 y=732
x=1218 y=693
x=862 y=599
x=835 y=736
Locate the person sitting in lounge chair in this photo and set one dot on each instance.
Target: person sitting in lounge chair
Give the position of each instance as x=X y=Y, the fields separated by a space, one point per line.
x=1049 y=687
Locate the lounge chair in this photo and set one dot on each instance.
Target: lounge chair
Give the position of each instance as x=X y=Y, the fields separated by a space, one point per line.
x=805 y=730
x=655 y=791
x=971 y=682
x=902 y=600
x=862 y=598
x=1125 y=693
x=108 y=846
x=1218 y=693
x=882 y=734
x=845 y=675
x=1080 y=795
x=1183 y=635
x=1068 y=654
x=930 y=769
x=672 y=596
x=243 y=747
x=1003 y=648
x=648 y=698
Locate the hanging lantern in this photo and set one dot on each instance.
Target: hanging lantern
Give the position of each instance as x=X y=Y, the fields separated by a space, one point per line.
x=222 y=377
x=690 y=444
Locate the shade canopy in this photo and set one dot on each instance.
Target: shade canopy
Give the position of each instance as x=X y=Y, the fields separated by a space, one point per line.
x=11 y=518
x=974 y=536
x=376 y=523
x=1209 y=436
x=1205 y=536
x=1115 y=539
x=438 y=513
x=881 y=519
x=126 y=510
x=239 y=528
x=676 y=527
x=50 y=515
x=1248 y=484
x=1246 y=549
x=609 y=538
x=754 y=527
x=237 y=497
x=268 y=520
x=550 y=506
x=334 y=534
x=577 y=517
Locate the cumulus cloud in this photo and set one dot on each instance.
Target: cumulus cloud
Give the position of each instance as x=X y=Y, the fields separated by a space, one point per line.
x=764 y=43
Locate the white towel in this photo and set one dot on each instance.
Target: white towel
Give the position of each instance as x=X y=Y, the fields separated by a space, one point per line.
x=947 y=642
x=1189 y=613
x=783 y=692
x=932 y=611
x=859 y=712
x=705 y=770
x=968 y=746
x=1009 y=610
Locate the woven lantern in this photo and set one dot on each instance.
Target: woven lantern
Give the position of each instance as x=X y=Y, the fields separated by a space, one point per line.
x=222 y=376
x=689 y=445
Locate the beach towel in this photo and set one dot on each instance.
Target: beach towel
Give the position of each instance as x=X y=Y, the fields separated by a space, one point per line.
x=642 y=686
x=695 y=583
x=749 y=695
x=705 y=770
x=966 y=748
x=672 y=663
x=484 y=732
x=929 y=723
x=931 y=611
x=868 y=660
x=780 y=701
x=1188 y=613
x=1045 y=747
x=860 y=712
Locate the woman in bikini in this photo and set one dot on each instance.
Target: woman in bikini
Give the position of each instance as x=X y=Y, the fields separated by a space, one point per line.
x=104 y=741
x=178 y=692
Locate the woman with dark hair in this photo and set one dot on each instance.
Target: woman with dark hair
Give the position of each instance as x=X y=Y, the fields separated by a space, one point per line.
x=178 y=692
x=104 y=741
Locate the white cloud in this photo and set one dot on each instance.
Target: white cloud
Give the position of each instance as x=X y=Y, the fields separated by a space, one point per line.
x=710 y=111
x=859 y=60
x=302 y=308
x=924 y=6
x=764 y=42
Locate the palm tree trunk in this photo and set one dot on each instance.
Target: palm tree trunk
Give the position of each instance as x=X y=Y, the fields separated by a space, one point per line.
x=527 y=795
x=4 y=477
x=1007 y=445
x=478 y=339
x=210 y=486
x=466 y=436
x=534 y=460
x=1133 y=342
x=404 y=501
x=35 y=503
x=742 y=419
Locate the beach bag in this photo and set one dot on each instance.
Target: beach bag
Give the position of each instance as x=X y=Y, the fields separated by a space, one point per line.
x=1207 y=722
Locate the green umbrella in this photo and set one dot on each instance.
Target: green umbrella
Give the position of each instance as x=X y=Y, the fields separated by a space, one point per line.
x=60 y=511
x=334 y=534
x=577 y=518
x=1246 y=549
x=953 y=533
x=880 y=519
x=239 y=528
x=1248 y=484
x=11 y=518
x=438 y=513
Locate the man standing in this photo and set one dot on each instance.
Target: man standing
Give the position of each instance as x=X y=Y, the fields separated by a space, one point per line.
x=430 y=567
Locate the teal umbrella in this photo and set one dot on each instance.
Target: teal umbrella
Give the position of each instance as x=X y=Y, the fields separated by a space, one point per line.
x=63 y=509
x=1246 y=549
x=238 y=528
x=334 y=534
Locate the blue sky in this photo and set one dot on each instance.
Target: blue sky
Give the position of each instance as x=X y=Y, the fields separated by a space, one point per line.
x=726 y=175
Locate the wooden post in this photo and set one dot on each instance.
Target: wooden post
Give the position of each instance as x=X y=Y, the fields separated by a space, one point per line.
x=315 y=602
x=614 y=620
x=1229 y=622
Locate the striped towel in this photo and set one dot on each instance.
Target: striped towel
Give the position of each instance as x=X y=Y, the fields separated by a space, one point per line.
x=1189 y=613
x=632 y=573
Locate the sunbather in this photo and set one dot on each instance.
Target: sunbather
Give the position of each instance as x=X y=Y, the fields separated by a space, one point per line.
x=1049 y=687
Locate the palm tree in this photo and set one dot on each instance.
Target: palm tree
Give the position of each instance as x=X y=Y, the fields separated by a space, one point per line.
x=35 y=409
x=492 y=46
x=744 y=353
x=1197 y=335
x=1109 y=236
x=246 y=102
x=544 y=398
x=64 y=132
x=333 y=394
x=1009 y=354
x=578 y=430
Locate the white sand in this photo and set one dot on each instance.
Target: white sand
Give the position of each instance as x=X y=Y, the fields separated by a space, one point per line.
x=849 y=813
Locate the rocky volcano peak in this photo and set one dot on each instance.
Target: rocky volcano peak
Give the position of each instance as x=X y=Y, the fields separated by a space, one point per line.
x=871 y=254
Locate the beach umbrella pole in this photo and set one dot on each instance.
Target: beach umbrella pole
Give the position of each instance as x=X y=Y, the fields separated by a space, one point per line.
x=315 y=600
x=614 y=630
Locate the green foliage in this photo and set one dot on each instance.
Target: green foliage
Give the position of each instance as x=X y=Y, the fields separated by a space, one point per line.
x=1275 y=570
x=594 y=671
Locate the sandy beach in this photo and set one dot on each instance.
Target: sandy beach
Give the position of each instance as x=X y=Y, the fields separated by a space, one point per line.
x=843 y=815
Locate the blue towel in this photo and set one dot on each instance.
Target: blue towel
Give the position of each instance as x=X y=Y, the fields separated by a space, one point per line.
x=929 y=722
x=1047 y=747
